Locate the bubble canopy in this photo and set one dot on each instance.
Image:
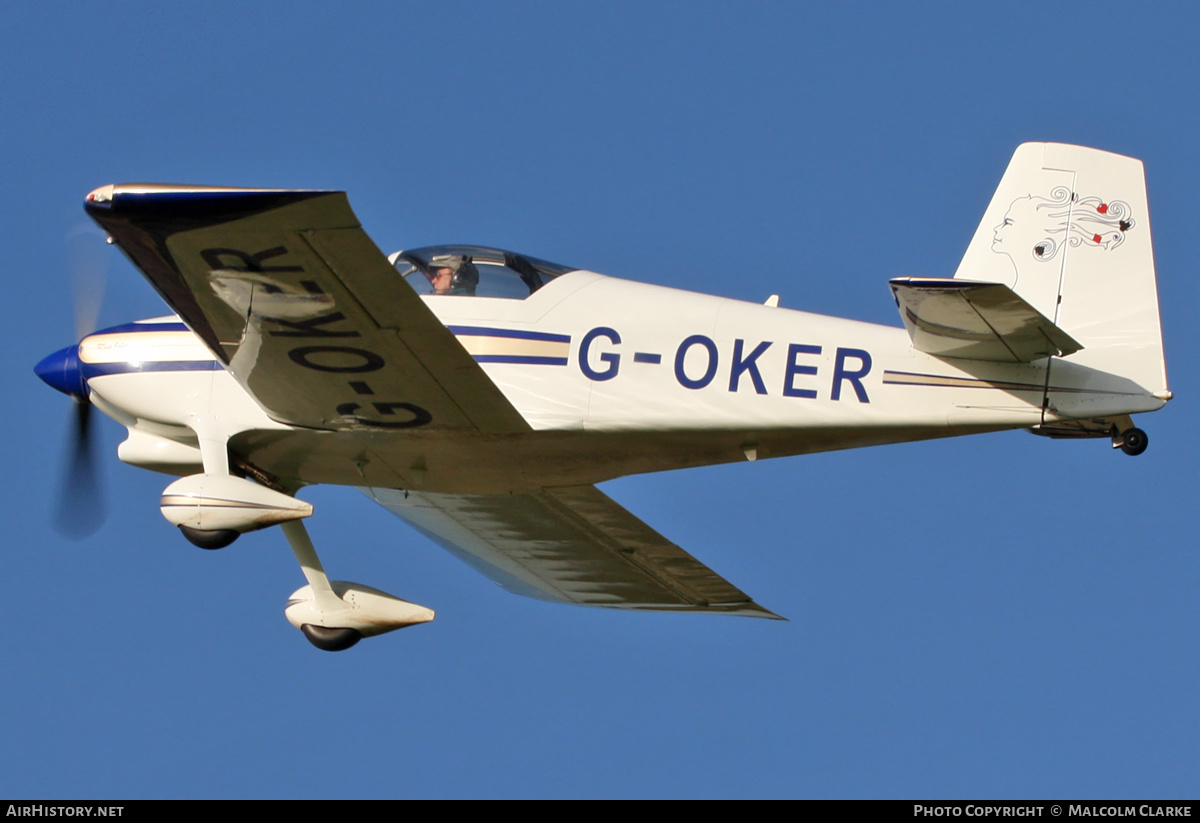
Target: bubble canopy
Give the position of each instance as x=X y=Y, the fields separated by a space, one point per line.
x=474 y=271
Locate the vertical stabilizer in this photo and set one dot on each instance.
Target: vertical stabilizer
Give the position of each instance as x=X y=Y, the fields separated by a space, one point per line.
x=1068 y=230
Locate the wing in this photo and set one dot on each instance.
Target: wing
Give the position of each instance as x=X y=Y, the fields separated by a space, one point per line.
x=572 y=544
x=301 y=307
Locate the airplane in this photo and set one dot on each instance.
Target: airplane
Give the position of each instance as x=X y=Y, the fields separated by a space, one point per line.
x=480 y=394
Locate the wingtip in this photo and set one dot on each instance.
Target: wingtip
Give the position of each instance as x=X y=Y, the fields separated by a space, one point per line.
x=746 y=609
x=100 y=198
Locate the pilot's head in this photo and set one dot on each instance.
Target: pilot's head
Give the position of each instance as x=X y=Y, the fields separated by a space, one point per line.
x=452 y=274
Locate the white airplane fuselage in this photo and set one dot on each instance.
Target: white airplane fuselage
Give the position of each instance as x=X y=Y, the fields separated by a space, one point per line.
x=614 y=378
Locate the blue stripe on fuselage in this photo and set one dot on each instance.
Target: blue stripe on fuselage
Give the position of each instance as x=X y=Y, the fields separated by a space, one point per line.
x=91 y=370
x=125 y=328
x=483 y=331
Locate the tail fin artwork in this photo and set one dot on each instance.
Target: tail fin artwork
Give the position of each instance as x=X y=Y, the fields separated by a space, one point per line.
x=1060 y=272
x=1068 y=230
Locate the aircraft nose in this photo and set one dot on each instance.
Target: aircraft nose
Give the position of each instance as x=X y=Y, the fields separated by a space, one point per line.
x=62 y=371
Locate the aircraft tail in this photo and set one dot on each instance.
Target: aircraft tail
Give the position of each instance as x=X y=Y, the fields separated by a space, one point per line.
x=1068 y=230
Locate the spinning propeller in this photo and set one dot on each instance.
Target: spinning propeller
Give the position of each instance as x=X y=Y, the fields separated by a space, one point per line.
x=80 y=507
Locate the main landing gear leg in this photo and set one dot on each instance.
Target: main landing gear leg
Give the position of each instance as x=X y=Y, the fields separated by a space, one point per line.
x=214 y=453
x=214 y=507
x=324 y=597
x=334 y=615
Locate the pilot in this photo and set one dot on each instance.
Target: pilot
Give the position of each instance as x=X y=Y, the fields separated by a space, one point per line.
x=452 y=274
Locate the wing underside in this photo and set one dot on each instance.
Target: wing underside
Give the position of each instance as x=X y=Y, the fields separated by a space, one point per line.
x=571 y=544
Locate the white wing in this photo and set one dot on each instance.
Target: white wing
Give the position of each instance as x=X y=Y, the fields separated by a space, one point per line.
x=572 y=544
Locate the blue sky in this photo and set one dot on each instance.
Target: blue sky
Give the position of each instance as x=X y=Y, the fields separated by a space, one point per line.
x=1000 y=616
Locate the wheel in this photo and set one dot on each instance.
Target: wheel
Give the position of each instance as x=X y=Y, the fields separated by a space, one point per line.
x=1134 y=441
x=209 y=539
x=330 y=640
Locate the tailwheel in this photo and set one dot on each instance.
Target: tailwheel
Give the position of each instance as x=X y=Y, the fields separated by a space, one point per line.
x=1134 y=441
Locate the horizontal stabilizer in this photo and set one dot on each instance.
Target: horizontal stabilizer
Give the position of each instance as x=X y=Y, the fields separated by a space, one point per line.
x=976 y=321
